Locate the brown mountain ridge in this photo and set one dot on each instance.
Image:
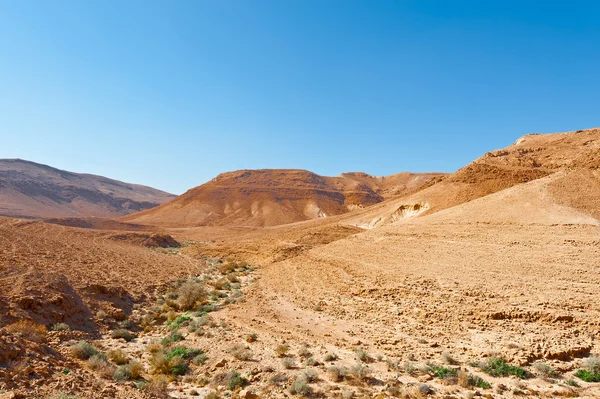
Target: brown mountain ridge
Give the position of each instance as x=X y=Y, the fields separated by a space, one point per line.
x=32 y=190
x=269 y=197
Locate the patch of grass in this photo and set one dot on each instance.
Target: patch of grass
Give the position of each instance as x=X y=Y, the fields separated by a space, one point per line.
x=83 y=350
x=174 y=337
x=497 y=367
x=61 y=327
x=29 y=330
x=124 y=334
x=179 y=322
x=587 y=375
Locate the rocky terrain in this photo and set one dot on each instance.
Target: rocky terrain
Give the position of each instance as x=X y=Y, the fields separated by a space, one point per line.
x=31 y=190
x=482 y=283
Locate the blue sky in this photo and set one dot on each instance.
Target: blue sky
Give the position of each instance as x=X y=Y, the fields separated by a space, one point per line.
x=172 y=93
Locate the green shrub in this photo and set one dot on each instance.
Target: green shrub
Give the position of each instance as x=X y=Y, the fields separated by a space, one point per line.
x=587 y=376
x=185 y=353
x=440 y=371
x=476 y=381
x=174 y=337
x=497 y=367
x=234 y=380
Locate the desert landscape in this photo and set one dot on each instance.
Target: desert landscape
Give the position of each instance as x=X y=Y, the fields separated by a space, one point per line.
x=283 y=283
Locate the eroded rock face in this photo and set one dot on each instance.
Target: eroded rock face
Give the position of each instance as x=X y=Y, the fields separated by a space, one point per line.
x=47 y=299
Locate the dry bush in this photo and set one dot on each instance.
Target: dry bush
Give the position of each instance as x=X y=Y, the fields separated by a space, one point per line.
x=61 y=327
x=330 y=357
x=136 y=370
x=227 y=267
x=310 y=375
x=592 y=363
x=448 y=359
x=300 y=387
x=282 y=350
x=251 y=337
x=123 y=333
x=361 y=354
x=279 y=379
x=190 y=295
x=154 y=347
x=304 y=353
x=288 y=362
x=29 y=330
x=240 y=352
x=158 y=386
x=360 y=371
x=99 y=364
x=117 y=356
x=83 y=350
x=336 y=373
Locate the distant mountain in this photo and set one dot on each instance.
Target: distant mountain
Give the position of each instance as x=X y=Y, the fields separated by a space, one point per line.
x=270 y=197
x=31 y=190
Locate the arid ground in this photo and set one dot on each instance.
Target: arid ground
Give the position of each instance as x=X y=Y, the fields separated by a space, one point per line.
x=482 y=283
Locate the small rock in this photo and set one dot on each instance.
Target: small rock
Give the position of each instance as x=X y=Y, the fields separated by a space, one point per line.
x=221 y=363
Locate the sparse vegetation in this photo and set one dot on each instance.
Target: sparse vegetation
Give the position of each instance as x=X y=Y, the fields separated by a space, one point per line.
x=288 y=362
x=360 y=371
x=330 y=357
x=83 y=350
x=440 y=371
x=587 y=375
x=99 y=363
x=497 y=367
x=545 y=370
x=448 y=359
x=310 y=375
x=361 y=354
x=190 y=295
x=118 y=357
x=61 y=327
x=282 y=350
x=29 y=330
x=336 y=373
x=300 y=387
x=240 y=352
x=234 y=380
x=470 y=380
x=124 y=334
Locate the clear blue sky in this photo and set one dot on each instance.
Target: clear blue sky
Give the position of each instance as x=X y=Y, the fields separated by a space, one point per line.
x=171 y=93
